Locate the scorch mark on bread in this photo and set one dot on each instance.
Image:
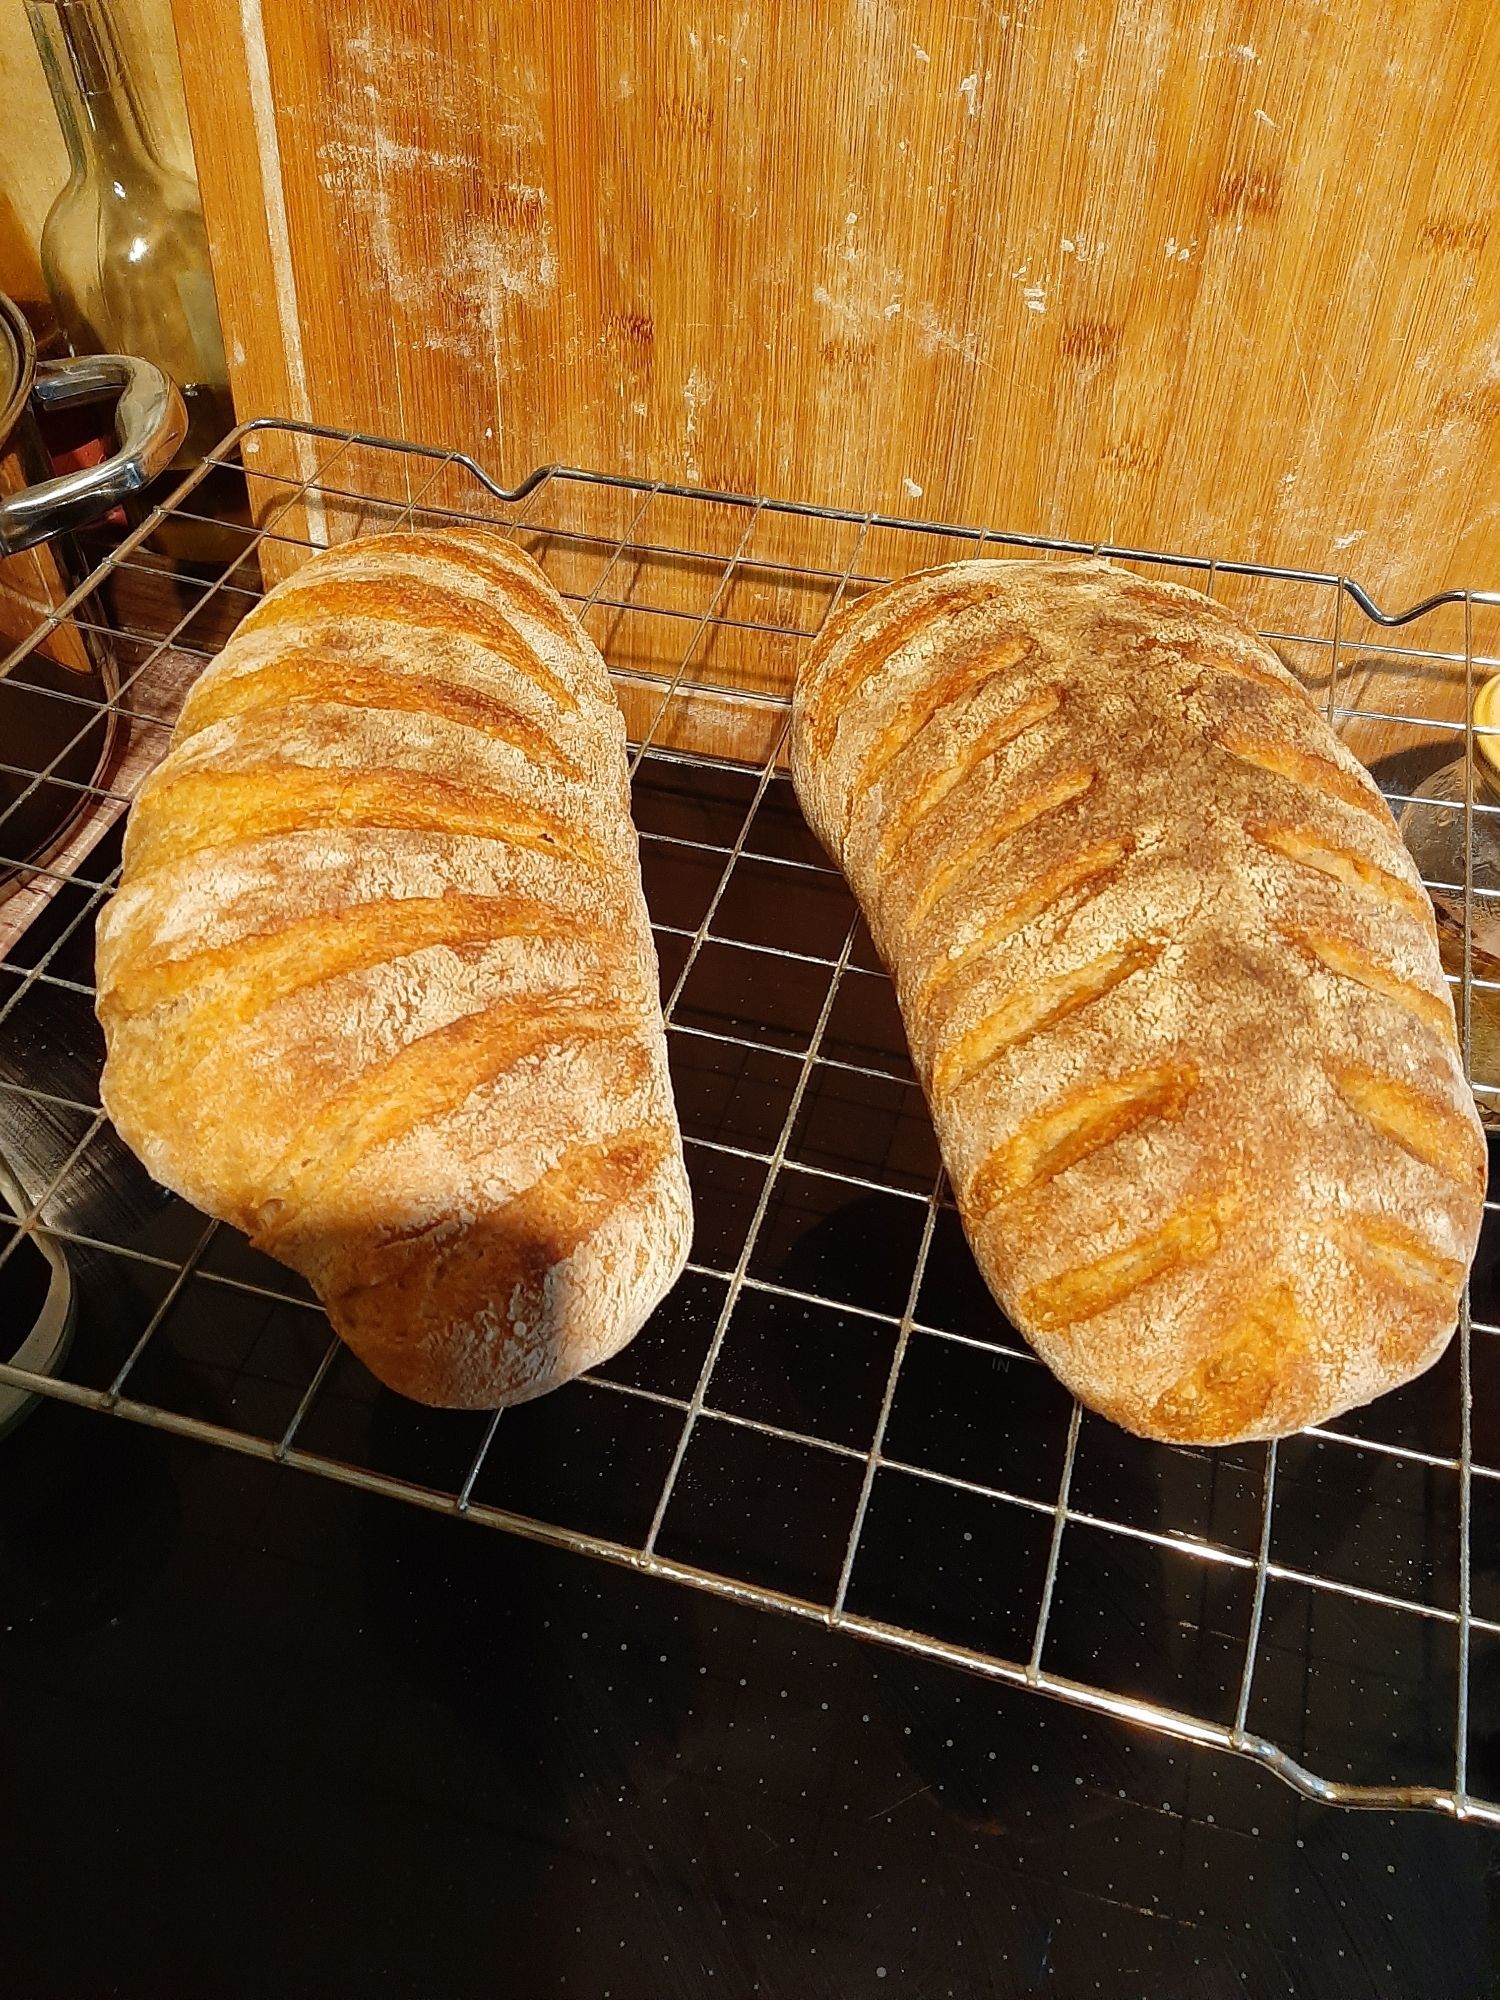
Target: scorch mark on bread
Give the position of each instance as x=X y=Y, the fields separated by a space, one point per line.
x=506 y=571
x=1431 y=1132
x=1395 y=1253
x=869 y=654
x=1087 y=1290
x=1078 y=1125
x=1263 y=1359
x=506 y=1283
x=967 y=681
x=419 y=1083
x=1348 y=961
x=1044 y=896
x=243 y=979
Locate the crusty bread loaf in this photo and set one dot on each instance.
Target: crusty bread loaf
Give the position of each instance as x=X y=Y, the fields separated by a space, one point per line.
x=1171 y=983
x=378 y=986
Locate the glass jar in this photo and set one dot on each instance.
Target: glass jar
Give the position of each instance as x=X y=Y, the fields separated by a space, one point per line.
x=1434 y=825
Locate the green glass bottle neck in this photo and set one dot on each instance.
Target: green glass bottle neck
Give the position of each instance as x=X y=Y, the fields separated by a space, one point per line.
x=92 y=94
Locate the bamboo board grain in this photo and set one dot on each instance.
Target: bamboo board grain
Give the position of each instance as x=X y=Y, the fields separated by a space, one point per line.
x=1219 y=277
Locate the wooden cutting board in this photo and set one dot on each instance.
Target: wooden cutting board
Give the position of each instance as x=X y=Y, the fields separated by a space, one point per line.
x=1214 y=275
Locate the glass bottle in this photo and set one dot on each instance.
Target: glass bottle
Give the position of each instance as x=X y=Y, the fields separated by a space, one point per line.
x=124 y=249
x=1433 y=825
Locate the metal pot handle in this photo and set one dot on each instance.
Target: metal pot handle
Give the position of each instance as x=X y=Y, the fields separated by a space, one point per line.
x=150 y=423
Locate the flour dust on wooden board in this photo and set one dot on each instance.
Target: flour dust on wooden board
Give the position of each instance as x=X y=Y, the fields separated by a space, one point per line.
x=1206 y=277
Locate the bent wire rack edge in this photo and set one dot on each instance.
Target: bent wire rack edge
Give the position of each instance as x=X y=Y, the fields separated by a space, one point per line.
x=700 y=602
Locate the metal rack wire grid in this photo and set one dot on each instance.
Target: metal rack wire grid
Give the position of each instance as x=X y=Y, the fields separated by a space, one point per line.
x=828 y=1416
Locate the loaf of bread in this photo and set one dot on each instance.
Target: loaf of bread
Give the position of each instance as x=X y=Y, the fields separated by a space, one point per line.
x=1171 y=984
x=378 y=986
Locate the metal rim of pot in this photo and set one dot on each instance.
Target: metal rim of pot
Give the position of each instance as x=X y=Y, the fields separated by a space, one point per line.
x=17 y=365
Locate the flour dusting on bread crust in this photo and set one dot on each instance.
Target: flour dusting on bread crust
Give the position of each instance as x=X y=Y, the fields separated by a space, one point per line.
x=378 y=985
x=1171 y=983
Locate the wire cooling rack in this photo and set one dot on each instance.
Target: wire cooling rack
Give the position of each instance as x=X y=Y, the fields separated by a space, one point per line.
x=828 y=1416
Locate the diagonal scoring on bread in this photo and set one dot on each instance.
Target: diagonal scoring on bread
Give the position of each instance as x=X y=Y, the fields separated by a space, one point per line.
x=1429 y=1131
x=1044 y=894
x=1085 y=1291
x=1347 y=961
x=1303 y=767
x=1240 y=669
x=205 y=809
x=867 y=656
x=1310 y=849
x=379 y=982
x=508 y=571
x=1057 y=792
x=1213 y=655
x=968 y=678
x=242 y=979
x=1172 y=602
x=1281 y=1059
x=1076 y=1126
x=927 y=797
x=1391 y=1252
x=423 y=1081
x=1032 y=1009
x=402 y=599
x=311 y=674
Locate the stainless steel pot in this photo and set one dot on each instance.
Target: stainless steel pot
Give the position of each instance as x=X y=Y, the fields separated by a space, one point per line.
x=150 y=423
x=57 y=715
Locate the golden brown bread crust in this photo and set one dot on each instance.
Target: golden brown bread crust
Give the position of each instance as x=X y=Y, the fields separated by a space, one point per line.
x=1171 y=984
x=378 y=986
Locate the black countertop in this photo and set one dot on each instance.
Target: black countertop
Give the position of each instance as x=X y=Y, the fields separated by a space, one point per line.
x=265 y=1734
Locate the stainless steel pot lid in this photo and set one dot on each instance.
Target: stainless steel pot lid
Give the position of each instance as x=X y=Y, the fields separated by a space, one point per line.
x=17 y=365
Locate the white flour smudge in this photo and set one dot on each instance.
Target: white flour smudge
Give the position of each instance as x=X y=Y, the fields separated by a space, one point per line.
x=345 y=163
x=863 y=295
x=516 y=249
x=933 y=337
x=697 y=391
